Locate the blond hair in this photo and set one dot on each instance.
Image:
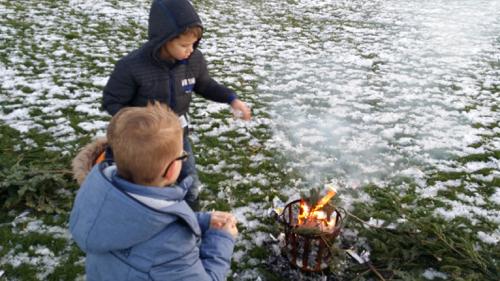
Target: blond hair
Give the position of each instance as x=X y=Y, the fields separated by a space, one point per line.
x=144 y=140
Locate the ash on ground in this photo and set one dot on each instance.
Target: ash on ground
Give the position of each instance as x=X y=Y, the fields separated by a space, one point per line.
x=278 y=265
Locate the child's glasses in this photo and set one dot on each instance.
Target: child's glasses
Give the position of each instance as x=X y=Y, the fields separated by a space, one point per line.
x=183 y=158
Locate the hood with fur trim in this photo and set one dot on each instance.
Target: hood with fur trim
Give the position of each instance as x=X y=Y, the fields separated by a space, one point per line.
x=85 y=159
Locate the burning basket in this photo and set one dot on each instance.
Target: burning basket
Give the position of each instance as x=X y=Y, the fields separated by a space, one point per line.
x=310 y=234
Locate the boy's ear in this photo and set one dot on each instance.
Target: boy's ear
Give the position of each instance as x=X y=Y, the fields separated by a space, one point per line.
x=169 y=176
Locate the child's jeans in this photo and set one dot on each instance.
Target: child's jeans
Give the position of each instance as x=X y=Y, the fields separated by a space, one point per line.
x=189 y=168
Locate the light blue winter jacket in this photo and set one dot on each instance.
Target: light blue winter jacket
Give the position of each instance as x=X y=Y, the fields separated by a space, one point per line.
x=134 y=232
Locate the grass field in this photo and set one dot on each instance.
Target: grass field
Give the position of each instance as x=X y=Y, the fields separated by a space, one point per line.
x=55 y=59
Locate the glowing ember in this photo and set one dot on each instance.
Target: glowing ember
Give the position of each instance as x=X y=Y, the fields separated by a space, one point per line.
x=317 y=217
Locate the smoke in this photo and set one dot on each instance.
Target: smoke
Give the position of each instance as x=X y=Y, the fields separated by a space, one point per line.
x=371 y=102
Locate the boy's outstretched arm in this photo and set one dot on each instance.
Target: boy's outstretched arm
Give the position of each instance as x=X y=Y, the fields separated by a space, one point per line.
x=210 y=89
x=120 y=89
x=205 y=85
x=241 y=110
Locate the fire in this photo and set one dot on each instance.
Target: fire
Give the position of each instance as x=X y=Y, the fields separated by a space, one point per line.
x=325 y=199
x=316 y=216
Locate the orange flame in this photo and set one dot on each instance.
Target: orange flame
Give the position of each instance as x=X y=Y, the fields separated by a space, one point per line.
x=316 y=214
x=325 y=199
x=303 y=212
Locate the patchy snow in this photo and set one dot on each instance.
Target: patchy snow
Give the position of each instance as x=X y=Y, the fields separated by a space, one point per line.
x=432 y=191
x=431 y=274
x=488 y=238
x=495 y=198
x=466 y=210
x=37 y=255
x=356 y=91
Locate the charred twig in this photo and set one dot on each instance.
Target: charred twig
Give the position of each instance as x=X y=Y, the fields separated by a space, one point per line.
x=372 y=268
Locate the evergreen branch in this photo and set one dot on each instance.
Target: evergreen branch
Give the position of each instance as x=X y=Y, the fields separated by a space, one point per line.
x=332 y=253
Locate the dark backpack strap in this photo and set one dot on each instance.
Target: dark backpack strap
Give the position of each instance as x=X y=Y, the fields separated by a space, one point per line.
x=108 y=155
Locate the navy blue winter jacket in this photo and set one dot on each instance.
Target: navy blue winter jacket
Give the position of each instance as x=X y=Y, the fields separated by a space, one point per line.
x=134 y=232
x=142 y=76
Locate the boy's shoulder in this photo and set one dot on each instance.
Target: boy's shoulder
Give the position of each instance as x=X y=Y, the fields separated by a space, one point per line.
x=136 y=57
x=196 y=56
x=197 y=59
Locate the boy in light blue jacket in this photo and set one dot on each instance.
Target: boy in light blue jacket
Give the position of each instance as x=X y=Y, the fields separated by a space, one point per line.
x=130 y=217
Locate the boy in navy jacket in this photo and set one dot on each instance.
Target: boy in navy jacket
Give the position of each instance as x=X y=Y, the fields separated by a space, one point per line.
x=169 y=68
x=130 y=217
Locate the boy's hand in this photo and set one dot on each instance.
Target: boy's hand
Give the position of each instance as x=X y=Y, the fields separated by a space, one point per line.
x=241 y=110
x=224 y=221
x=231 y=228
x=218 y=219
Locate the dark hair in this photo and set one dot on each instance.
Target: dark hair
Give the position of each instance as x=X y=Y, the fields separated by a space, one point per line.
x=196 y=31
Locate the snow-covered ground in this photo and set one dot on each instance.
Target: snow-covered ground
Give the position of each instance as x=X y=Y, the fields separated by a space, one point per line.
x=356 y=91
x=370 y=91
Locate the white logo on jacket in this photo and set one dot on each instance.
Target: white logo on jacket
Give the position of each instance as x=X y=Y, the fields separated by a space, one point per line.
x=188 y=85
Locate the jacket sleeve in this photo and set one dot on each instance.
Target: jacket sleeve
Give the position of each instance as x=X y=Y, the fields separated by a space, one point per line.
x=120 y=89
x=210 y=263
x=215 y=253
x=203 y=220
x=208 y=87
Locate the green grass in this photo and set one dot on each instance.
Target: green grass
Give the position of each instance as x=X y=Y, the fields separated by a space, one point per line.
x=37 y=179
x=424 y=241
x=24 y=245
